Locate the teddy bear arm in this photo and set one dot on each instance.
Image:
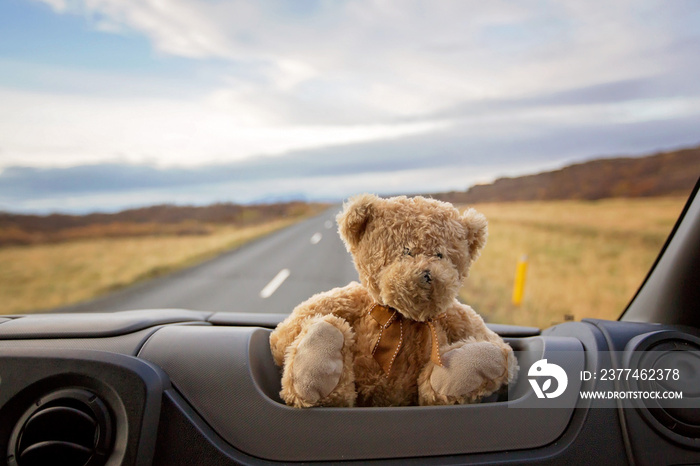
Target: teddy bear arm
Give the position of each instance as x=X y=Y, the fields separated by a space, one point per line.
x=318 y=365
x=471 y=370
x=320 y=304
x=280 y=338
x=461 y=322
x=338 y=301
x=476 y=361
x=288 y=331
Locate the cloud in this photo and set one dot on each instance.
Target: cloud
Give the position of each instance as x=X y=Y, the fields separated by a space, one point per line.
x=453 y=159
x=318 y=98
x=57 y=130
x=372 y=61
x=54 y=130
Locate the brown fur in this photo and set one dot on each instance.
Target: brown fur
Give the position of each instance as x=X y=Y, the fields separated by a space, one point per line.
x=396 y=245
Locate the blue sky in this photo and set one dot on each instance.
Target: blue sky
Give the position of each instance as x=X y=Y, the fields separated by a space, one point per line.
x=107 y=104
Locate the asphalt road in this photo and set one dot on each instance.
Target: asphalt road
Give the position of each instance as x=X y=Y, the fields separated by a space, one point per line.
x=272 y=274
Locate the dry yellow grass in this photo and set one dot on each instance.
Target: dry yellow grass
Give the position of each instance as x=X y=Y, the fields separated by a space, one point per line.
x=50 y=275
x=586 y=259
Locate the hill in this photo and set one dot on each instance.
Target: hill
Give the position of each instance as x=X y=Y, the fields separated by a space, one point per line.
x=154 y=220
x=661 y=174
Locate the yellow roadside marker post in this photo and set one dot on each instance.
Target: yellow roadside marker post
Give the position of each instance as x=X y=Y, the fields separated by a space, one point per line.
x=519 y=285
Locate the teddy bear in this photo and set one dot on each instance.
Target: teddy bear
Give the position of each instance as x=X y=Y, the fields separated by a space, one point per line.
x=399 y=337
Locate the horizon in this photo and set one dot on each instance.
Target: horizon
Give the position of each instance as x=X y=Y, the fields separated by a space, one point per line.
x=115 y=105
x=340 y=201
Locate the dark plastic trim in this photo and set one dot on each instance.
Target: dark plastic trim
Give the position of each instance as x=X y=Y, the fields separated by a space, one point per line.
x=670 y=294
x=100 y=325
x=94 y=325
x=95 y=444
x=247 y=319
x=653 y=411
x=250 y=319
x=670 y=237
x=131 y=389
x=232 y=383
x=514 y=331
x=129 y=344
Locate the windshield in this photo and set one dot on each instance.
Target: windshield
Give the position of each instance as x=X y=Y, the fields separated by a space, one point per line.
x=139 y=140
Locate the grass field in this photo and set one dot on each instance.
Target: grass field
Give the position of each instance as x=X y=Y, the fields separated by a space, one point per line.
x=585 y=259
x=49 y=275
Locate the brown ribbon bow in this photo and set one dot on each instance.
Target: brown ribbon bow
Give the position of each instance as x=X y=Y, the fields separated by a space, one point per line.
x=391 y=337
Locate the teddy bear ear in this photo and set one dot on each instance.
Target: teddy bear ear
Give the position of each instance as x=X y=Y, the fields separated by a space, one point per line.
x=356 y=215
x=475 y=226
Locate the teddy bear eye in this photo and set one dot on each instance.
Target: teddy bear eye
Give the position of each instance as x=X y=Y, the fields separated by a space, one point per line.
x=407 y=252
x=439 y=255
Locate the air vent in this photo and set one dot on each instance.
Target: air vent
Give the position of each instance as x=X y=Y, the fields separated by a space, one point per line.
x=665 y=353
x=70 y=427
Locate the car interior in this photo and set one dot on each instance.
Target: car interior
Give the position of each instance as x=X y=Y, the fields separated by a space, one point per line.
x=186 y=387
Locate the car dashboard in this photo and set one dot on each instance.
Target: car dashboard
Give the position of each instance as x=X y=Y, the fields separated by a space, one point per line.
x=174 y=386
x=183 y=387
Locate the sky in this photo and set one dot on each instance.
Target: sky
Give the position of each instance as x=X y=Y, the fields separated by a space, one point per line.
x=111 y=104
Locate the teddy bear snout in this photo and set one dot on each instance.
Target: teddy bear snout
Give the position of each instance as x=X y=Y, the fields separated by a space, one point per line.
x=426 y=275
x=419 y=287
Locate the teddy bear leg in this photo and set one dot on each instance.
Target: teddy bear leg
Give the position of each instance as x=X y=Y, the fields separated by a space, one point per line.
x=318 y=365
x=471 y=370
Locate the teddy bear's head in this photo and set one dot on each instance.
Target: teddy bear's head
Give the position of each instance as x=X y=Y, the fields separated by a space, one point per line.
x=411 y=253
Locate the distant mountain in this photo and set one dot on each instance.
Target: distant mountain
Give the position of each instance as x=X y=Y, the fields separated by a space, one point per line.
x=661 y=174
x=159 y=219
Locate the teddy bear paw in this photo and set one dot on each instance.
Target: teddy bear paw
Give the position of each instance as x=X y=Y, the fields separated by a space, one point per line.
x=472 y=370
x=318 y=363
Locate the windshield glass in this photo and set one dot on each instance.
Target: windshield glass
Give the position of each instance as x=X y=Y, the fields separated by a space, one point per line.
x=138 y=139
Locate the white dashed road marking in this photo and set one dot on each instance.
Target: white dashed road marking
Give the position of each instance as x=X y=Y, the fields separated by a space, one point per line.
x=328 y=224
x=274 y=283
x=316 y=238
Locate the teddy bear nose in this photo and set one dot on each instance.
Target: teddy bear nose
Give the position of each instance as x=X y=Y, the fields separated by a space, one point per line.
x=426 y=276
